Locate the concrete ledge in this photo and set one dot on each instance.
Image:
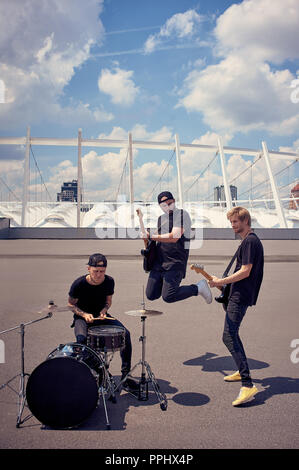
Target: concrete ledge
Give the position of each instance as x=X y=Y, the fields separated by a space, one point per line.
x=7 y=232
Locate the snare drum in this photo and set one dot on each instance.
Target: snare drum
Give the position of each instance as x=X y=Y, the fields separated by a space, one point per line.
x=63 y=391
x=106 y=338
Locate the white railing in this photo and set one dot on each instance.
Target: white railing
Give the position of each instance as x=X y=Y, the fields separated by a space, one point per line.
x=117 y=214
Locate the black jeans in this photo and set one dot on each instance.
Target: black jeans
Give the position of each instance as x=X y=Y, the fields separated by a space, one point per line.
x=81 y=327
x=234 y=315
x=167 y=284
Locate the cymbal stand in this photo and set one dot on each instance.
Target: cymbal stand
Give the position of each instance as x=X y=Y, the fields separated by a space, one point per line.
x=145 y=368
x=22 y=393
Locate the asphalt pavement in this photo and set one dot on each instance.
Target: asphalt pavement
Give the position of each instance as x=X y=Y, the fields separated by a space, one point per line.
x=183 y=348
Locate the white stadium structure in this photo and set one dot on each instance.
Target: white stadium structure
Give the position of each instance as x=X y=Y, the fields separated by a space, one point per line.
x=271 y=210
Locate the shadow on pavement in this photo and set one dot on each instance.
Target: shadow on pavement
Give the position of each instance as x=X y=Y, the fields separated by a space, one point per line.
x=211 y=362
x=117 y=411
x=191 y=399
x=273 y=386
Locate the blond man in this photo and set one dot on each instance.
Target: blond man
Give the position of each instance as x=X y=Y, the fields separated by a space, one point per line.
x=245 y=285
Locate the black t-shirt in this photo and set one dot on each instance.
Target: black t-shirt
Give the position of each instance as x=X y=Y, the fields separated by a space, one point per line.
x=91 y=299
x=174 y=256
x=250 y=251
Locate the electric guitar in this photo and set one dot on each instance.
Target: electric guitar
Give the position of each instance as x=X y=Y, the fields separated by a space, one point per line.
x=149 y=251
x=225 y=290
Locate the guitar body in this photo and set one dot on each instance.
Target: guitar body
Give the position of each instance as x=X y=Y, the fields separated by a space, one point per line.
x=224 y=296
x=225 y=290
x=149 y=256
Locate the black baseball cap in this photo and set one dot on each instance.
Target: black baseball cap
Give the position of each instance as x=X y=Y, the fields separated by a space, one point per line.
x=164 y=194
x=97 y=260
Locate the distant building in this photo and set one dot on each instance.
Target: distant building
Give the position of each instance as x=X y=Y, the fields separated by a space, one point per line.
x=219 y=194
x=294 y=194
x=69 y=192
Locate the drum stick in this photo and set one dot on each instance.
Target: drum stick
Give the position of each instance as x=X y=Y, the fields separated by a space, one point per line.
x=105 y=318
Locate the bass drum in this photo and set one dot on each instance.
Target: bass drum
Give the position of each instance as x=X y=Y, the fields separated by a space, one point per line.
x=62 y=392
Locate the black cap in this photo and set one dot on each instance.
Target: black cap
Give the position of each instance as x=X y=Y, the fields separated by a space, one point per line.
x=97 y=260
x=164 y=194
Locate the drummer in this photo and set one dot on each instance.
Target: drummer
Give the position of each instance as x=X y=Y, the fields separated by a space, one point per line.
x=90 y=297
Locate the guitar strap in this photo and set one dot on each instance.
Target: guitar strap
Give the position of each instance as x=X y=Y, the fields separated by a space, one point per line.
x=225 y=274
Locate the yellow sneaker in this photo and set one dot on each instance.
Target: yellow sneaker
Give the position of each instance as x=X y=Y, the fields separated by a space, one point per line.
x=245 y=395
x=233 y=378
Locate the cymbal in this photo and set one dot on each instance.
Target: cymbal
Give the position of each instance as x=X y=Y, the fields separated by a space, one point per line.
x=143 y=313
x=54 y=308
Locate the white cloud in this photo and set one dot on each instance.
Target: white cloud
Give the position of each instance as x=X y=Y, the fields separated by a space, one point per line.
x=194 y=161
x=11 y=172
x=26 y=28
x=243 y=92
x=118 y=84
x=102 y=116
x=179 y=26
x=264 y=29
x=293 y=149
x=239 y=94
x=41 y=47
x=140 y=132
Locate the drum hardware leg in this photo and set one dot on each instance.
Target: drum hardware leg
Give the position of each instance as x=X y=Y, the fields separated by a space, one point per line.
x=143 y=388
x=111 y=387
x=161 y=396
x=145 y=380
x=22 y=392
x=102 y=392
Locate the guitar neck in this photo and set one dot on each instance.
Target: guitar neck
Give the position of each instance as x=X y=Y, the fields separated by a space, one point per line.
x=142 y=227
x=204 y=273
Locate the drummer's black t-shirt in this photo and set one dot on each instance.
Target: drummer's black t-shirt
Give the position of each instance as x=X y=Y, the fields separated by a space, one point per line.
x=91 y=299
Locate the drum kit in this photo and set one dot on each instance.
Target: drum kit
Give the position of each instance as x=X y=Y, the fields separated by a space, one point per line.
x=66 y=388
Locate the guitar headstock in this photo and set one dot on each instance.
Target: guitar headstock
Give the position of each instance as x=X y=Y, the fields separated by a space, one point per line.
x=199 y=268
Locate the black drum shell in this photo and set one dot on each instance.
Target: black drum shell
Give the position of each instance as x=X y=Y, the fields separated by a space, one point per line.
x=106 y=338
x=62 y=392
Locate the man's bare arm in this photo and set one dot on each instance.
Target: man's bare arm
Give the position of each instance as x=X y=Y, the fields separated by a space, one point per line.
x=108 y=304
x=171 y=237
x=242 y=273
x=73 y=305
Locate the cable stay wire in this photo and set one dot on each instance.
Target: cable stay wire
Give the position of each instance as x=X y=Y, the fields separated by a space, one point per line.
x=9 y=189
x=289 y=184
x=40 y=174
x=246 y=169
x=122 y=175
x=160 y=179
x=265 y=181
x=287 y=167
x=203 y=171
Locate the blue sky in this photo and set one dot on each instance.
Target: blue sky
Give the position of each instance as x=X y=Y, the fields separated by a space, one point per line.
x=154 y=68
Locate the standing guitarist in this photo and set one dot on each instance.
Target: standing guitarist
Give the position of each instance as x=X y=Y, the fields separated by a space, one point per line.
x=172 y=250
x=245 y=285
